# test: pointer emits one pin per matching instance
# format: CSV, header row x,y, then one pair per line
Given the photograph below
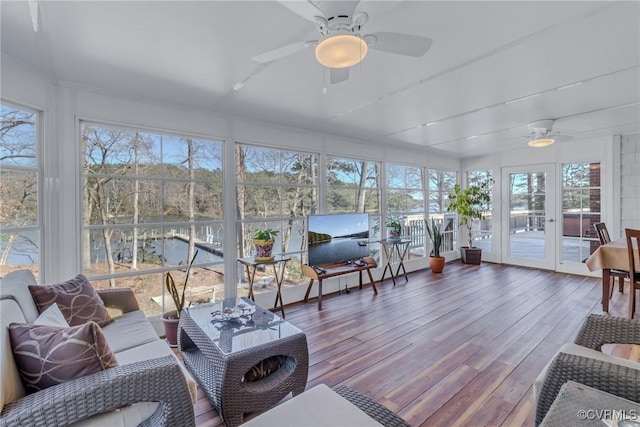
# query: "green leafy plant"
x,y
393,224
172,288
435,234
470,204
266,234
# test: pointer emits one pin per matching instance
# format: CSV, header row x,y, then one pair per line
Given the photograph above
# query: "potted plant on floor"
x,y
171,318
263,242
436,262
470,204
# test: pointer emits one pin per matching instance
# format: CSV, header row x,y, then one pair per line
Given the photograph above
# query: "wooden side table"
x,y
334,270
251,265
392,247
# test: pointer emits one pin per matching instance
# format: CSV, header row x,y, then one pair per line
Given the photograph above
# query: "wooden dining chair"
x,y
603,236
634,276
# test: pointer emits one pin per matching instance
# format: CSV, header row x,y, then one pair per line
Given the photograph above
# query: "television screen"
x,y
337,238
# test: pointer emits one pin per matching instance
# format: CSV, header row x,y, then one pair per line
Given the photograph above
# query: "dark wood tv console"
x,y
333,270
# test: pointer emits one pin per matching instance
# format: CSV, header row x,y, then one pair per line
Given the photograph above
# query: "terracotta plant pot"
x,y
170,320
436,264
263,249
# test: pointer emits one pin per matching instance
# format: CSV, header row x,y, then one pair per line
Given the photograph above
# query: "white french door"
x,y
529,225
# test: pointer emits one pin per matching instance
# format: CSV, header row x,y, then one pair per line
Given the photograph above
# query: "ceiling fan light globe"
x,y
541,142
341,51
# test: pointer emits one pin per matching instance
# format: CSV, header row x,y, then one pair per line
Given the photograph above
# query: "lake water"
x,y
335,251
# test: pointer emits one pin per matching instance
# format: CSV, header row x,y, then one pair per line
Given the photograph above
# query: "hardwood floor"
x,y
458,348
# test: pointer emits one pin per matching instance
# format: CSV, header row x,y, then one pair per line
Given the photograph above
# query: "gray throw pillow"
x,y
50,355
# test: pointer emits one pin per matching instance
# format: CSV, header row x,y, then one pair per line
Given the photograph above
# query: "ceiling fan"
x,y
541,134
341,45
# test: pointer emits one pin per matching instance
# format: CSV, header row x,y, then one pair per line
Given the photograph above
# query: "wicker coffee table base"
x,y
370,407
220,374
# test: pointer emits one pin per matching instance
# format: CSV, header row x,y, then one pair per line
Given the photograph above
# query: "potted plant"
x,y
436,262
263,242
470,204
393,230
171,318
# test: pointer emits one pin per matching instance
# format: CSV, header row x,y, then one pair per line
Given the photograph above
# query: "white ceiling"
x,y
484,56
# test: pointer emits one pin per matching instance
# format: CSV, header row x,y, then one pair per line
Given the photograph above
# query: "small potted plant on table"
x,y
263,242
470,204
393,230
436,262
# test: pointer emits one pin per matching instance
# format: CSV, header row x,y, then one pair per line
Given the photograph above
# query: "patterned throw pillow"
x,y
265,368
50,355
76,298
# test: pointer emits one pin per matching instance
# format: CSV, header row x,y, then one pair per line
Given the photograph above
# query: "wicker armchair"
x,y
620,379
155,380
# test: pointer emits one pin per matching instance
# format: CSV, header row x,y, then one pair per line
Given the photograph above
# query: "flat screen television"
x,y
337,238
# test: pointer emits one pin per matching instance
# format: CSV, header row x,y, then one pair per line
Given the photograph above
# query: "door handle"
x,y
551,220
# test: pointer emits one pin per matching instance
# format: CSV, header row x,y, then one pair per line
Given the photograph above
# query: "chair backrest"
x,y
633,267
603,234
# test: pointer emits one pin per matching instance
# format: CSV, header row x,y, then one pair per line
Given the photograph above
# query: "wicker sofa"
x,y
584,362
149,387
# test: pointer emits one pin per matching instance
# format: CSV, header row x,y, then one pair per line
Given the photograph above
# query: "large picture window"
x,y
276,189
406,204
580,210
482,229
441,183
19,190
353,186
150,202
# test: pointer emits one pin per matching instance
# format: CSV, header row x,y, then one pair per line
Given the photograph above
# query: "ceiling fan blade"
x,y
402,44
280,52
561,138
338,75
377,8
303,8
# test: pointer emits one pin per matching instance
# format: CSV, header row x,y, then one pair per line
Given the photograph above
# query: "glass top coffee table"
x,y
223,341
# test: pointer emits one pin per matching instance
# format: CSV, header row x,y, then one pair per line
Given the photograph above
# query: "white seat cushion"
x,y
319,406
128,331
158,348
11,388
129,416
17,284
578,350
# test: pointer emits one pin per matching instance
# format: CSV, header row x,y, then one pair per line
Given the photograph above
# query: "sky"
x,y
339,224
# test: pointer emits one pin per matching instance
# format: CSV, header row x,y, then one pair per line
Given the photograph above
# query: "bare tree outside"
x,y
19,222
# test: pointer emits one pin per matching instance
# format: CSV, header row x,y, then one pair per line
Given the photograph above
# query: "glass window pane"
x,y
18,140
20,249
581,204
482,233
19,190
18,198
260,165
299,168
341,200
